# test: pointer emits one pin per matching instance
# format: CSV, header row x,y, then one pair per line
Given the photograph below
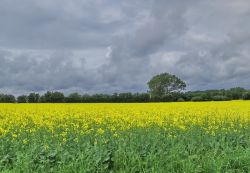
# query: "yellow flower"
x,y
60,120
100,131
14,135
25,141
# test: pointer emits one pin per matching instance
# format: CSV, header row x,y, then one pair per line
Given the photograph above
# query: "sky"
x,y
107,46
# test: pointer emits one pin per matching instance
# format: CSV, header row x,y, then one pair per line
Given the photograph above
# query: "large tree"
x,y
165,83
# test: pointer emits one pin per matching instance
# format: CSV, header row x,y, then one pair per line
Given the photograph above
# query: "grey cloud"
x,y
34,24
217,55
125,43
221,65
55,71
129,61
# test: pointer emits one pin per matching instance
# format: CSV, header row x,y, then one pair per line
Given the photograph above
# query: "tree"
x,y
197,99
7,98
22,99
42,99
165,83
74,98
46,98
236,93
100,98
10,99
85,98
57,97
141,97
33,98
125,97
246,96
220,98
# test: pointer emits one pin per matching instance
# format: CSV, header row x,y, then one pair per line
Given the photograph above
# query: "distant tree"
x,y
161,90
125,97
235,93
42,99
57,97
85,98
4,98
246,95
180,99
22,99
10,99
46,98
114,97
165,83
141,97
33,98
197,99
74,98
220,98
100,98
169,97
157,98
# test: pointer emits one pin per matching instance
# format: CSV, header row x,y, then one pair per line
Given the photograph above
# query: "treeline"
x,y
58,97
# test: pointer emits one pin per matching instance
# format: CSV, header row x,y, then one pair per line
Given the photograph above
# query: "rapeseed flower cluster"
x,y
63,119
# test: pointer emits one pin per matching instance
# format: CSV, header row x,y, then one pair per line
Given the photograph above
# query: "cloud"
x,y
34,24
37,72
117,46
129,65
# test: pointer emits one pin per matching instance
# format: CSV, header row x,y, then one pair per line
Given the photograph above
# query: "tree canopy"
x,y
165,83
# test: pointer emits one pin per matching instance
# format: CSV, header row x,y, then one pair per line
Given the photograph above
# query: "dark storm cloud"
x,y
225,65
56,24
129,60
214,51
219,58
115,46
56,70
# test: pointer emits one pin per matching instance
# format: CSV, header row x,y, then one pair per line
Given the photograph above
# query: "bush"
x,y
180,100
22,99
4,98
246,96
167,98
220,98
197,99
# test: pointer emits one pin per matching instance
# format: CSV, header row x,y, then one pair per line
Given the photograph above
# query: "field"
x,y
149,137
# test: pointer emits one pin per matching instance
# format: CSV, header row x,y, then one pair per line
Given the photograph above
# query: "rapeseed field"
x,y
125,137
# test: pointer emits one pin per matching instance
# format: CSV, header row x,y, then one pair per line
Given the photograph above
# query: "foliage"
x,y
22,99
165,83
164,87
180,99
74,98
236,93
246,95
5,98
197,99
33,98
213,95
220,98
57,97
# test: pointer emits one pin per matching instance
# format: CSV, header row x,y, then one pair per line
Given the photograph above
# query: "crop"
x,y
141,137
